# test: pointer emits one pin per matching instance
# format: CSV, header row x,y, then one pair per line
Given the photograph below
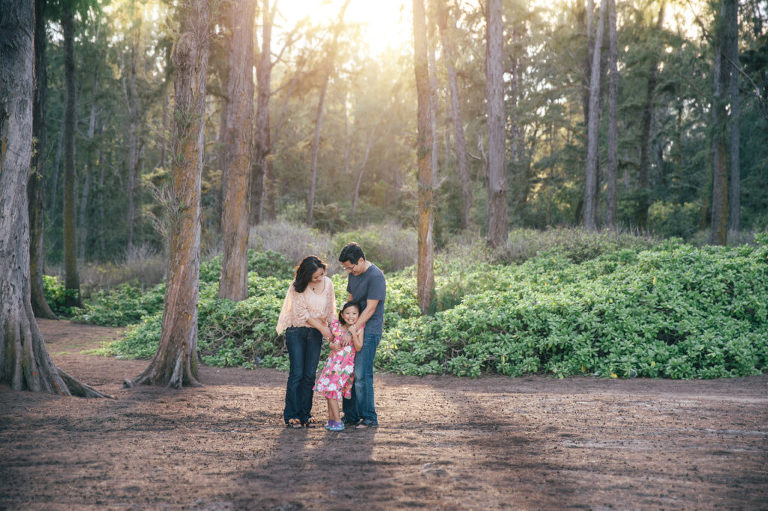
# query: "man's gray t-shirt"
x,y
370,285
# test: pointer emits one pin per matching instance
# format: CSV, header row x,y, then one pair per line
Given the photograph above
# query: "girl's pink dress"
x,y
335,379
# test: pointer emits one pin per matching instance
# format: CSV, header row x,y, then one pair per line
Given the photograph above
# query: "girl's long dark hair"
x,y
304,271
347,306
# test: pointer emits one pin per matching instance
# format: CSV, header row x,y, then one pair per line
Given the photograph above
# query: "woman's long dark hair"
x,y
347,306
304,271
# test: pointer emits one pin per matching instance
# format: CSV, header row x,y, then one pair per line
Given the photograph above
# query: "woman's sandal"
x,y
293,423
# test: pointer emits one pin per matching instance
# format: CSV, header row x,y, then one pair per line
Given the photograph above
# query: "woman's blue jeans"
x,y
361,406
303,345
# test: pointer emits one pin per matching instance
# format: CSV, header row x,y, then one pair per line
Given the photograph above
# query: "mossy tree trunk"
x,y
175,363
71,279
24,360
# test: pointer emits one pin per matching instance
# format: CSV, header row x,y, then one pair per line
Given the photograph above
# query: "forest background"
x,y
674,147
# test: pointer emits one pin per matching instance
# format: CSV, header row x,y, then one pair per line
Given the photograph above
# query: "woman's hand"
x,y
335,346
327,334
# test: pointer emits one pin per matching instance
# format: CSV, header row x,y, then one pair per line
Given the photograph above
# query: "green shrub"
x,y
56,295
671,311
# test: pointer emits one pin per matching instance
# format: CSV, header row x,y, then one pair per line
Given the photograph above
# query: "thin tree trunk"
x,y
36,179
262,181
644,183
368,147
71,279
175,363
233,283
734,187
100,206
329,62
593,128
83,218
315,151
719,231
24,360
425,264
53,205
497,172
612,167
131,101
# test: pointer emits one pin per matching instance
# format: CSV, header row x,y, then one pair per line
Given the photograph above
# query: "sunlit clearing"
x,y
384,25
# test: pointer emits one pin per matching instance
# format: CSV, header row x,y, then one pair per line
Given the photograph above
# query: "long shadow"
x,y
311,468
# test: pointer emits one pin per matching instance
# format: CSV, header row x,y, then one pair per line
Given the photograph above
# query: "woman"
x,y
308,309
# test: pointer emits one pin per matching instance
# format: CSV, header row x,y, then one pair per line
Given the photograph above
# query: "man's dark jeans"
x,y
303,345
361,406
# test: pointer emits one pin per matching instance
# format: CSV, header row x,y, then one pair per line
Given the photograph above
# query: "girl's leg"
x,y
333,410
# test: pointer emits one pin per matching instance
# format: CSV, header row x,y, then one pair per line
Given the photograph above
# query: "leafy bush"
x,y
56,295
671,310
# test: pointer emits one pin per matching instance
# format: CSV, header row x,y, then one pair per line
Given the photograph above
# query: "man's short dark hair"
x,y
351,253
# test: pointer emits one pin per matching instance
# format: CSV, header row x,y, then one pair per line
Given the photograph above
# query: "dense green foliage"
x,y
670,310
369,121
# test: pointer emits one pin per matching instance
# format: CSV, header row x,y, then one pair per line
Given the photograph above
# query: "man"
x,y
366,286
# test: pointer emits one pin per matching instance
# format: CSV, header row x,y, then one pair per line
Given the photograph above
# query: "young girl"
x,y
335,380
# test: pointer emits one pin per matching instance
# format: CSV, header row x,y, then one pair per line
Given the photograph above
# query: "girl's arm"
x,y
357,337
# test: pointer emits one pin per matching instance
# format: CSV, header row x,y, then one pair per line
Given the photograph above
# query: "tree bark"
x,y
175,363
24,360
719,231
131,103
233,283
71,279
734,187
593,128
36,179
425,264
329,62
644,200
262,181
612,167
497,173
460,142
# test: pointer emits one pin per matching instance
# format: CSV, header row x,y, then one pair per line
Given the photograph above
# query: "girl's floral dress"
x,y
335,379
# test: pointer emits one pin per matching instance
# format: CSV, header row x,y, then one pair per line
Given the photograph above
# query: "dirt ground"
x,y
444,443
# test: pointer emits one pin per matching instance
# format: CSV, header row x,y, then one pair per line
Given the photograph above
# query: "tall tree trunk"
x,y
329,62
233,283
71,279
175,363
734,187
262,181
36,178
83,217
131,102
89,166
612,167
425,264
644,200
719,231
497,172
460,142
24,360
593,128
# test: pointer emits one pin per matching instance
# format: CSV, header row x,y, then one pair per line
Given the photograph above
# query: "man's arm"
x,y
370,308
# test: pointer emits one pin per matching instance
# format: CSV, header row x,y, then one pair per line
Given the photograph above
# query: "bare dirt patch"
x,y
444,443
